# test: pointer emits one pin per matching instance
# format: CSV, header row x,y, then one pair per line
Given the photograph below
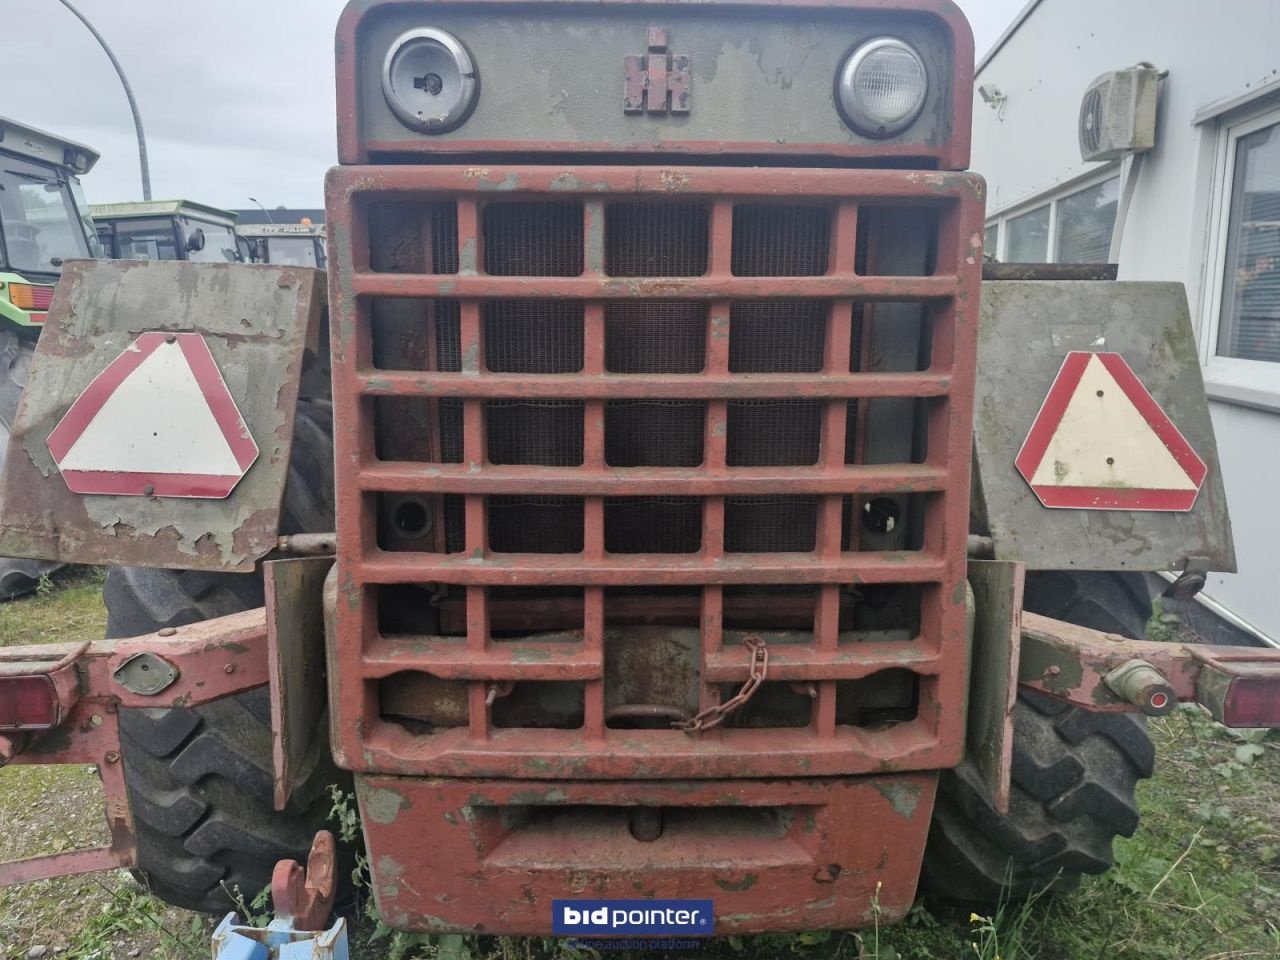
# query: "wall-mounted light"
x,y
994,98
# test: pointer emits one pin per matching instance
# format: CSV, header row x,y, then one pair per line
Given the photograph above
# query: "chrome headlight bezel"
x,y
855,110
460,89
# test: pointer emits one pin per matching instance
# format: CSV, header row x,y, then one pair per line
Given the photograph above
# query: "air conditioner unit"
x,y
1118,113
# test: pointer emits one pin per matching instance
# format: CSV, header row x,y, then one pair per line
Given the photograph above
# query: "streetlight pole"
x,y
128,92
270,219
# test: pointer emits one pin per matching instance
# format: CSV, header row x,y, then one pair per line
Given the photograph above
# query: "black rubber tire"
x,y
200,780
1074,776
1112,602
18,576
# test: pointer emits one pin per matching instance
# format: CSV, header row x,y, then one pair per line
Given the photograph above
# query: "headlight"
x,y
77,161
429,80
882,87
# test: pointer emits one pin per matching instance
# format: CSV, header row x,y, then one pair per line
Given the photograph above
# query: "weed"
x,y
256,912
1200,880
873,951
130,911
392,944
1003,934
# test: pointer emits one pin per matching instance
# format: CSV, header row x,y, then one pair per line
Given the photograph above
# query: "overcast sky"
x,y
236,95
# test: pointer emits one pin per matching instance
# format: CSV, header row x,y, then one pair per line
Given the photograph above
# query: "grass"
x,y
1199,881
49,809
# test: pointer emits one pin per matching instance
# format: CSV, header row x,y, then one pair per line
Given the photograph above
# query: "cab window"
x,y
219,241
146,239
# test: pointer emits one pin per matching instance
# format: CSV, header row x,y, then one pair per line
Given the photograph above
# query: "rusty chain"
x,y
714,716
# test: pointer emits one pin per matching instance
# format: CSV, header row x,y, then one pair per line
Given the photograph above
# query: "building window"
x,y
1029,237
1073,227
1249,322
991,240
1086,220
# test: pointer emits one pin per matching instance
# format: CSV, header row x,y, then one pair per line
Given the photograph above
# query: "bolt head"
x,y
229,668
167,631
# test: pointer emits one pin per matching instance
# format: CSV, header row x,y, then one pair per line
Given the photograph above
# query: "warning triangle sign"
x,y
157,421
1102,442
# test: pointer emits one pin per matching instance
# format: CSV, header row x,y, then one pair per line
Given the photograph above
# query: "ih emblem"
x,y
657,81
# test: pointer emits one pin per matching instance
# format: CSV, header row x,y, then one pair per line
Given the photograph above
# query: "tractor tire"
x,y
18,577
1074,776
200,780
1108,601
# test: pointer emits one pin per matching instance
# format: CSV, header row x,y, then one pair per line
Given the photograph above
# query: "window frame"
x,y
1000,219
1051,225
1251,381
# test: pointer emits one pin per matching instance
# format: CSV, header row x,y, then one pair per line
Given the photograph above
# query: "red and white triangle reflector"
x,y
157,421
1102,442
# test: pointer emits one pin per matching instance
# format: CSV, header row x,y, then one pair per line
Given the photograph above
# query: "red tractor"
x,y
645,509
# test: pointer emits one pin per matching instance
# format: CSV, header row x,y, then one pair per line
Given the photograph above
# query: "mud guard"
x,y
993,674
254,322
1028,329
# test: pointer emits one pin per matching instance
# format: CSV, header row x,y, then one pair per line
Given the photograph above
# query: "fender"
x,y
254,325
1028,329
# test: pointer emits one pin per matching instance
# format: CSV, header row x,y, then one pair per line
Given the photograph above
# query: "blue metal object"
x,y
278,941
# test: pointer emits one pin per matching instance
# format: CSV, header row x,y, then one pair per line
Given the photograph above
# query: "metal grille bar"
x,y
543,338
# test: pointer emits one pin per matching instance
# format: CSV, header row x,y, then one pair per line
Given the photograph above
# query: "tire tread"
x,y
1073,791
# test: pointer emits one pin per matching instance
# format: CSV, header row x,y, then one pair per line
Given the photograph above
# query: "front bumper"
x,y
491,856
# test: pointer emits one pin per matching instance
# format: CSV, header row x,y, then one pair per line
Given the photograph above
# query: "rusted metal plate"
x,y
993,678
562,102
1028,329
490,856
208,660
255,320
295,657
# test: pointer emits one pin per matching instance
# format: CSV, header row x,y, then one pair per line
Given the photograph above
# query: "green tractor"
x,y
168,230
44,221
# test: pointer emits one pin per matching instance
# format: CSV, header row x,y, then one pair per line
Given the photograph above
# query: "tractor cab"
x,y
167,230
44,220
296,244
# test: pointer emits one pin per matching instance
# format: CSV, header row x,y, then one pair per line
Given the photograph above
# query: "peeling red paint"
x,y
489,856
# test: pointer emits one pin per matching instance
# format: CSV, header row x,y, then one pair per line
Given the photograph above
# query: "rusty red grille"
x,y
650,405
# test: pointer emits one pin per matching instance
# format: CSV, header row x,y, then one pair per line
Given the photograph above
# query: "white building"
x,y
1205,210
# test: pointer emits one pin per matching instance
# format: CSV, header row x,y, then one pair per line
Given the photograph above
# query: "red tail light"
x,y
31,296
29,703
1242,694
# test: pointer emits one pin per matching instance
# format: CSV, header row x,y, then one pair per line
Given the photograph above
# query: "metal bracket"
x,y
201,662
993,676
303,900
304,897
295,656
1195,571
145,674
1108,672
